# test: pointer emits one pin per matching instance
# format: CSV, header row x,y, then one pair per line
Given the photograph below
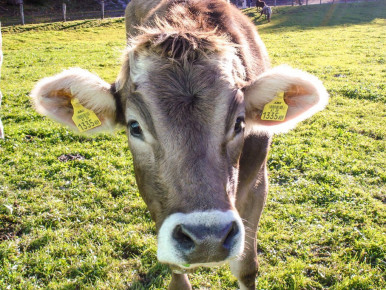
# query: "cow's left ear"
x,y
304,94
78,99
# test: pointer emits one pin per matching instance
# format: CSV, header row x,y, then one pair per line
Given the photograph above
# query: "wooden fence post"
x,y
22,13
64,12
1,61
103,9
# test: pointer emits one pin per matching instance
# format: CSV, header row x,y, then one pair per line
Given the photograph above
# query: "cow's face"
x,y
185,123
185,126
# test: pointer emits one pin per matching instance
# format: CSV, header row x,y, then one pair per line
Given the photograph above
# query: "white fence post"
x,y
103,9
1,61
64,12
22,13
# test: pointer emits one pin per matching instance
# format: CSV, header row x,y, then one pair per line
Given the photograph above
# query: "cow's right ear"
x,y
57,96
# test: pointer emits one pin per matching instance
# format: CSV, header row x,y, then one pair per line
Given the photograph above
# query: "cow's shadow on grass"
x,y
256,18
155,277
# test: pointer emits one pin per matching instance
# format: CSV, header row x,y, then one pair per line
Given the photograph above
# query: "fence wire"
x,y
46,18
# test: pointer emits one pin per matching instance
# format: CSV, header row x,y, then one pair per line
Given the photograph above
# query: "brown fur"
x,y
205,17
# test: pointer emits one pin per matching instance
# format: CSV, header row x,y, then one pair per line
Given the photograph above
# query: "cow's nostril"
x,y
230,235
183,238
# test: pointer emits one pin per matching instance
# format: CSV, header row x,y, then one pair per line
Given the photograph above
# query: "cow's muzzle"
x,y
200,238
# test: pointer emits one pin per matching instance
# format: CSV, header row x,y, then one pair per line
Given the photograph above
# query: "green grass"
x,y
81,224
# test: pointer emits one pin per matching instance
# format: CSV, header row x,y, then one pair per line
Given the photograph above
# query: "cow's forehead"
x,y
193,99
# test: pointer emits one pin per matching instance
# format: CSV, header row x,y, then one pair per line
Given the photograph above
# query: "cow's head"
x,y
186,110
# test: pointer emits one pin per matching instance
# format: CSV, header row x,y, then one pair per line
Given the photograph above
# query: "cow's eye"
x,y
135,129
239,125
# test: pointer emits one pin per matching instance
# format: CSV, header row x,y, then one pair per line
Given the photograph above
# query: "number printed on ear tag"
x,y
275,110
83,118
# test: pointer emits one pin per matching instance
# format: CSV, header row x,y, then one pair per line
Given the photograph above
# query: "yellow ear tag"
x,y
275,110
83,118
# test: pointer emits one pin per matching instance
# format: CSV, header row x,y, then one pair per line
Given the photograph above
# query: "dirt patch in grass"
x,y
69,157
9,227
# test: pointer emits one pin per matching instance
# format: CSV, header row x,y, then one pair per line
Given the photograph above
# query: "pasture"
x,y
70,213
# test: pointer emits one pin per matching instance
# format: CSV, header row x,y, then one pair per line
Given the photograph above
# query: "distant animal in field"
x,y
267,11
260,4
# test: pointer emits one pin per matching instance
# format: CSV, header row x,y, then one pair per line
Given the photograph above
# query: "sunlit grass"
x,y
81,223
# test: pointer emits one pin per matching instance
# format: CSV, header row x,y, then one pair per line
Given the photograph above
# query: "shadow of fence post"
x,y
1,61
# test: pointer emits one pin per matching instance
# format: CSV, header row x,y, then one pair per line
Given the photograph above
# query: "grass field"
x,y
80,224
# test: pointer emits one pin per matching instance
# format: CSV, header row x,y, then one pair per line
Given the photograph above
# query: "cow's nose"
x,y
189,236
199,238
201,243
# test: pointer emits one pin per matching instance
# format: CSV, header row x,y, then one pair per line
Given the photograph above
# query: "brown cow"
x,y
260,4
191,92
